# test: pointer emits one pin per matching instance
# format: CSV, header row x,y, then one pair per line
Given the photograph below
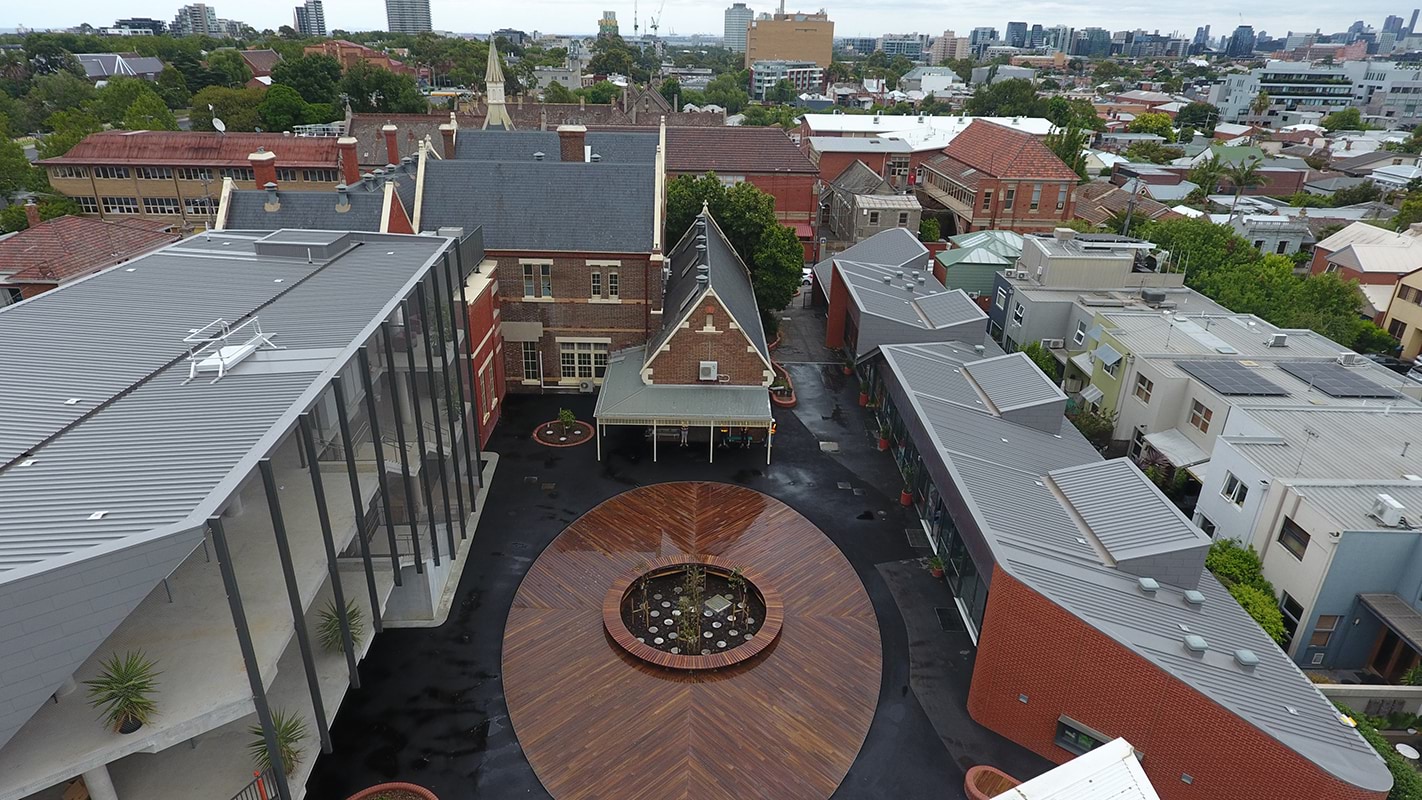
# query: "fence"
x,y
262,787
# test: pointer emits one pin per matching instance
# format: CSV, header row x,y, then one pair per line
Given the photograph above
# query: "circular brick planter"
x,y
984,783
581,433
397,791
612,606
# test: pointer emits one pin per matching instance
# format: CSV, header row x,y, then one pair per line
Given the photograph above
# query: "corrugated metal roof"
x,y
1099,491
897,247
626,400
908,297
1342,443
1013,381
198,148
1108,772
1349,502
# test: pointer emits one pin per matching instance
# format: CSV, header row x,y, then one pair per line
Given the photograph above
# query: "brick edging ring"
x,y
375,791
768,633
592,431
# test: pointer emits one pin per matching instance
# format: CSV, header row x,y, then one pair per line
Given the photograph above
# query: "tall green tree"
x,y
1242,176
1154,122
173,88
281,108
1198,115
1347,119
1010,98
228,67
16,172
68,128
728,91
558,93
670,90
371,89
149,113
58,91
1207,174
770,250
316,77
112,102
237,108
1069,145
782,92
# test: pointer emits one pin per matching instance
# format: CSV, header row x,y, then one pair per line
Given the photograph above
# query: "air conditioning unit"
x,y
1054,344
1279,340
1021,274
586,387
709,370
1387,511
1349,359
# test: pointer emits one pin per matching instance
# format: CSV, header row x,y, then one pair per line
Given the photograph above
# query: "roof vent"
x,y
702,280
1196,643
594,158
407,161
901,274
909,286
1148,585
1194,597
1246,659
343,199
538,156
920,280
887,279
703,269
367,179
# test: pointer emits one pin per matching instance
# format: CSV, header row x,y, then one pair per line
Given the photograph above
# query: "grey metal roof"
x,y
1341,442
858,178
1002,471
896,247
1100,491
544,205
613,147
1012,382
625,399
155,455
1349,502
908,297
247,210
727,277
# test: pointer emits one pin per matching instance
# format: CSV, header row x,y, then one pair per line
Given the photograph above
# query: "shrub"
x,y
1262,606
1233,564
1406,782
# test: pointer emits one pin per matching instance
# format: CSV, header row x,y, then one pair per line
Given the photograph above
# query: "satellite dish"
x,y
219,125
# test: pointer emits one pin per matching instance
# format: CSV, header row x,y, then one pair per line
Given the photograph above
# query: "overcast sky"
x,y
864,18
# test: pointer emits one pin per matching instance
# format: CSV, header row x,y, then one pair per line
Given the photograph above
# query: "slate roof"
x,y
600,208
306,210
197,148
728,278
65,248
411,129
613,147
1005,152
1002,471
736,150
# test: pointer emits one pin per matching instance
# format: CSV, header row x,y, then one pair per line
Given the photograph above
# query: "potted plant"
x,y
864,387
290,730
328,630
884,434
848,363
123,691
935,567
906,496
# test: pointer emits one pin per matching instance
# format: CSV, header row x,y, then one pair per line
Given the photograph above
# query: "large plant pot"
x,y
848,371
863,399
905,498
410,788
129,726
883,443
984,783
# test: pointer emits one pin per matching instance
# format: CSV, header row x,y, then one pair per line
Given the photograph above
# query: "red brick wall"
x,y
485,339
1032,646
832,164
794,195
1020,218
838,307
728,346
36,289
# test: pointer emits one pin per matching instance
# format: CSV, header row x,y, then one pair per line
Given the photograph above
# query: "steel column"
x,y
373,412
434,392
419,429
464,368
293,595
458,420
304,429
477,470
249,656
404,448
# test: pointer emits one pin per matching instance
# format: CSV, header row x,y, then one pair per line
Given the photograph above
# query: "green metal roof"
x,y
626,400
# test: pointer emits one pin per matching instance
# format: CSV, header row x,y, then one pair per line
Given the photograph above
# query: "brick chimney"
x,y
571,141
350,163
446,134
32,213
392,145
263,166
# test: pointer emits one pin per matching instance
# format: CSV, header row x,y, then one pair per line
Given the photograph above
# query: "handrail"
x,y
262,787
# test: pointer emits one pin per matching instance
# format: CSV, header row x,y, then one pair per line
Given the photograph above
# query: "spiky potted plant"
x,y
290,730
935,567
906,496
328,629
884,434
124,690
864,388
848,363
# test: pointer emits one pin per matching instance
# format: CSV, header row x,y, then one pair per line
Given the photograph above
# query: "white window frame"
x,y
607,287
1080,335
1019,312
873,218
597,350
530,351
1144,386
1234,490
538,276
1001,301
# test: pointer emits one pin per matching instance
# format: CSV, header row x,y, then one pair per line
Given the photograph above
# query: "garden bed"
x,y
394,791
553,434
783,397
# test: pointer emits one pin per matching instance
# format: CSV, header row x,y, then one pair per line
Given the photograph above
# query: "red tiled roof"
x,y
261,62
1098,202
197,148
1003,152
735,150
65,248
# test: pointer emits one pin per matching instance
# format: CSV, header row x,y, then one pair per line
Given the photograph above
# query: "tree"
x,y
61,91
1198,115
929,230
670,90
13,217
1043,358
1241,571
1154,122
1406,781
68,129
1096,426
1207,173
149,113
727,91
372,89
228,67
558,93
1010,98
281,108
316,77
237,108
1347,119
1365,192
602,92
1260,104
111,103
173,88
782,92
1242,175
1153,152
771,251
1069,145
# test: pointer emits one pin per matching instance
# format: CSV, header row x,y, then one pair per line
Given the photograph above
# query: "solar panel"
x,y
1231,378
1335,380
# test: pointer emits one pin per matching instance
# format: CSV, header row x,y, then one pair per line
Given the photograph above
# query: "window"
x,y
1396,329
1008,197
1080,335
120,205
530,361
68,172
1017,313
1293,538
1234,490
1206,524
88,205
1258,244
873,218
614,288
1144,386
286,174
528,285
898,167
155,173
1200,416
1077,738
194,174
239,173
987,200
1036,197
320,175
597,284
537,280
582,360
1282,246
1332,267
1001,297
112,173
161,205
1113,368
1323,630
1293,612
903,219
1138,445
1061,197
199,205
545,279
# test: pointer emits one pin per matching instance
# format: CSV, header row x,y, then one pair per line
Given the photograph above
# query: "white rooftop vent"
x,y
1194,597
1349,359
1246,659
708,371
1148,585
1387,511
1196,643
1279,340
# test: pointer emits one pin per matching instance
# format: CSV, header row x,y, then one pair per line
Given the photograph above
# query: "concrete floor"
x,y
431,709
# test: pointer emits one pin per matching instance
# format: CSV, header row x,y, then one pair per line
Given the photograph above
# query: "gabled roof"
x,y
858,178
108,65
739,150
611,147
897,246
261,62
197,148
726,275
626,399
319,210
1368,248
914,298
1005,152
1097,202
65,248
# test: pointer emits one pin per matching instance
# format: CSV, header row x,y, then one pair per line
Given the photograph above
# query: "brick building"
x,y
177,176
350,54
997,177
1374,257
791,37
63,249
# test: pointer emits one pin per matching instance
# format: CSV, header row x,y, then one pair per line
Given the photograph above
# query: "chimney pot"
x,y
263,166
572,143
273,202
446,133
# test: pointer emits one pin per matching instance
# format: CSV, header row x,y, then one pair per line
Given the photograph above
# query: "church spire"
x,y
497,115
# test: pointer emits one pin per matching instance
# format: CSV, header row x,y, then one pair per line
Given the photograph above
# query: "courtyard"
x,y
434,705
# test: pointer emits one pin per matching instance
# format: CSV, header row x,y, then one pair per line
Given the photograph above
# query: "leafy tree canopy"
x,y
149,113
316,77
1153,122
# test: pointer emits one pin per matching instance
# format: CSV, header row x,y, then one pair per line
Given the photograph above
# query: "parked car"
x,y
1395,364
805,276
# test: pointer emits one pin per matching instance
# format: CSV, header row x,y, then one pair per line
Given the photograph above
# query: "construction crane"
x,y
634,19
657,20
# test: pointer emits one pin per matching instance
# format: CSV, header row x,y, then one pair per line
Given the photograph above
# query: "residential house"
x,y
1327,187
1374,257
1404,315
972,260
1274,234
1363,164
1395,177
64,249
177,175
102,66
996,177
1100,203
860,203
930,80
221,476
349,54
260,62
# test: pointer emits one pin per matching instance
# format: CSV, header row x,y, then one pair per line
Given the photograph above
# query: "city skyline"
x,y
686,17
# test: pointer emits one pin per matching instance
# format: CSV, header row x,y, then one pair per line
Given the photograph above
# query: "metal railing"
x,y
262,787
